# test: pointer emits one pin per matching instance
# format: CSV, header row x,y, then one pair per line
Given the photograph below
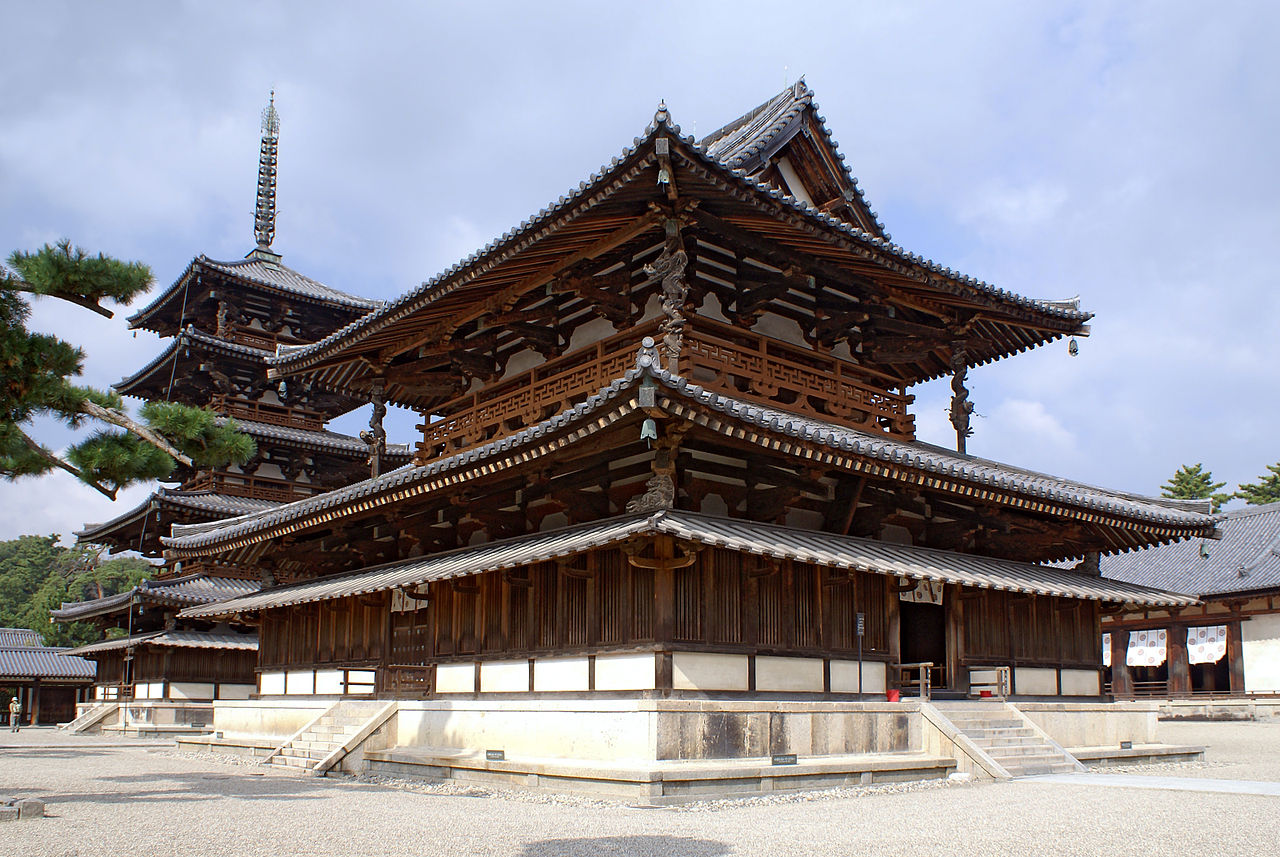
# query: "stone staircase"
x,y
92,716
322,743
1008,738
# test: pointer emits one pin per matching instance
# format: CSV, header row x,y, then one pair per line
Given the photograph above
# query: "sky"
x,y
1121,152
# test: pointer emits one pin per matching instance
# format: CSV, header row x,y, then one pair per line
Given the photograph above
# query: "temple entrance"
x,y
924,638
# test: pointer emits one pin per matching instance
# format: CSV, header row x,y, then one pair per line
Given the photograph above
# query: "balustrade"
x,y
261,412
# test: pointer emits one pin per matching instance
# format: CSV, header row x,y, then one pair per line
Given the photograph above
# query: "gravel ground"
x,y
144,798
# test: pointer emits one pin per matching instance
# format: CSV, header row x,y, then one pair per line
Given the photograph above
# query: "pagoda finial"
x,y
264,216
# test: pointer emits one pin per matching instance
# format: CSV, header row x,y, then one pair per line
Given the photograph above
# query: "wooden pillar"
x,y
1179,668
957,675
664,592
1121,678
1235,656
893,625
35,702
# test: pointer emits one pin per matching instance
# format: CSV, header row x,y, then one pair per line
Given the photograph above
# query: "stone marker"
x,y
8,813
30,808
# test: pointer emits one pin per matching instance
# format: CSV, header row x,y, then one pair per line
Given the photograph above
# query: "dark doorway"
x,y
924,633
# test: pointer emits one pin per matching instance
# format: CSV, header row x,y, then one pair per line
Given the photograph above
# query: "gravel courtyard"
x,y
142,798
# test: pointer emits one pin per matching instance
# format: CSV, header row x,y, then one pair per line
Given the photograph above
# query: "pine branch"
x,y
117,418
58,462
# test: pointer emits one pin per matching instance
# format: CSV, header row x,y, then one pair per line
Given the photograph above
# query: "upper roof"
x,y
175,639
160,367
15,637
199,588
321,441
202,504
770,540
748,142
262,270
1245,558
39,662
574,227
919,462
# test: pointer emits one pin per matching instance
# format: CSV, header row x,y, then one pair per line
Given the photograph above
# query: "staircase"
x,y
92,716
322,743
1008,738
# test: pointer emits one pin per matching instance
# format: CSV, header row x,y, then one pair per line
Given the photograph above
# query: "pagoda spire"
x,y
264,216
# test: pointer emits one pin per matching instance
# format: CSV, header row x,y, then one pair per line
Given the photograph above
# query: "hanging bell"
x,y
1073,347
664,177
649,431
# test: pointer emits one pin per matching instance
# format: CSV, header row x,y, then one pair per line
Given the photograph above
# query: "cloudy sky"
x,y
1122,152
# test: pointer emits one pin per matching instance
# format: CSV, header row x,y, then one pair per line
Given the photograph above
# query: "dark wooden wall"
x,y
1010,627
179,664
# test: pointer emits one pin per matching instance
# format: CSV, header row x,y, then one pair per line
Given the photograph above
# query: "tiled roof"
x,y
205,503
1245,558
203,342
914,456
15,637
771,540
269,273
751,138
321,440
198,588
22,662
290,359
175,639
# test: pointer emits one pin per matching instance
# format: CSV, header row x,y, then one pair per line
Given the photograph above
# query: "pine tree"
x,y
35,373
1265,490
1193,482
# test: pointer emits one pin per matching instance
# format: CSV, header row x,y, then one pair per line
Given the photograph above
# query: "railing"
x,y
749,365
257,488
923,676
261,341
260,412
531,396
718,356
1000,686
408,679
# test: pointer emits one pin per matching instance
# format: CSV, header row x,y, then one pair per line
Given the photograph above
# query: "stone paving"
x,y
118,797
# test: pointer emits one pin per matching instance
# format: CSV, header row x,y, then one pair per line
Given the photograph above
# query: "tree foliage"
x,y
35,373
37,575
1265,490
1193,482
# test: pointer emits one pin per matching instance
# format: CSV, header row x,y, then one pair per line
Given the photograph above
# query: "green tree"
x,y
1193,482
35,373
1265,490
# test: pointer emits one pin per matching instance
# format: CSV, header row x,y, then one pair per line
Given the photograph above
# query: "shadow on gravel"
x,y
183,788
630,846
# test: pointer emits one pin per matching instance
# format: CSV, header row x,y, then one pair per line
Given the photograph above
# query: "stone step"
x,y
1001,740
1025,759
317,745
1022,751
292,762
985,722
1032,770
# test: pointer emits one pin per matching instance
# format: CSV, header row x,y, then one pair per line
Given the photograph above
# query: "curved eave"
x,y
161,368
812,440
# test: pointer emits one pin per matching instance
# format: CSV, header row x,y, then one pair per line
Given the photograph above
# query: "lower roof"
x,y
199,588
769,540
40,662
174,639
206,504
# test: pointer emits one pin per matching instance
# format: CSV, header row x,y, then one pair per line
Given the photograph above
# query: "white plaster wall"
x,y
271,684
778,327
504,676
299,682
1261,638
1081,683
561,674
794,674
327,681
361,681
707,671
235,691
456,678
1035,681
265,719
522,361
844,677
191,690
625,672
591,332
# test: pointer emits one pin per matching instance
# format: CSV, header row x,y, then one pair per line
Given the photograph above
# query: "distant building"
x,y
46,681
1229,644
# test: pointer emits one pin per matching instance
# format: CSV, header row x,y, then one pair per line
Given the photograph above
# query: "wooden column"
x,y
1179,668
664,592
957,675
35,702
1121,679
1235,656
893,625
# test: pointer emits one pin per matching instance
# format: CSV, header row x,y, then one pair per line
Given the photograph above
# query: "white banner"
x,y
1147,648
926,592
1106,650
1206,645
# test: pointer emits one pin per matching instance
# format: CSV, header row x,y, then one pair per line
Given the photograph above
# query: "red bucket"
x,y
892,695
985,694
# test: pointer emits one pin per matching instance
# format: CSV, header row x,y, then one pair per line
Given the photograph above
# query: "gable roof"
x,y
748,142
1245,558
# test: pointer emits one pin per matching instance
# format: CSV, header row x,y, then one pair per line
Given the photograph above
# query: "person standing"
x,y
15,714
